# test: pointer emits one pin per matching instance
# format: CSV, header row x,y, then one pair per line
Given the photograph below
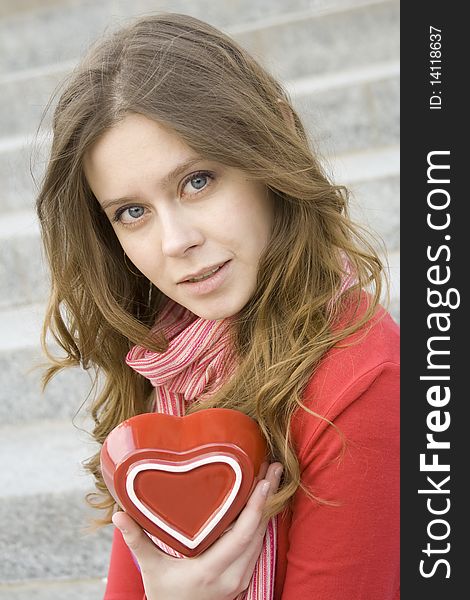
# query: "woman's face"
x,y
195,228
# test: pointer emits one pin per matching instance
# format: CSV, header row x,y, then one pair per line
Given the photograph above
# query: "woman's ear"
x,y
287,114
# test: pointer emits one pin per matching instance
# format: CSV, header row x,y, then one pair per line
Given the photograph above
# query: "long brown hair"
x,y
191,77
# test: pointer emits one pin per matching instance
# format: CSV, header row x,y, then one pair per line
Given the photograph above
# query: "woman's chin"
x,y
213,311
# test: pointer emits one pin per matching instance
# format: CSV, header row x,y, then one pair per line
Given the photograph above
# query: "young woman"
x,y
201,258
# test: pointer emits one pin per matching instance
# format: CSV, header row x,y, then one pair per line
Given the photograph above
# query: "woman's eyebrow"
x,y
164,182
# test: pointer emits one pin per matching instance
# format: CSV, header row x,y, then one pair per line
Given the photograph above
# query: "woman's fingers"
x,y
145,551
246,535
250,524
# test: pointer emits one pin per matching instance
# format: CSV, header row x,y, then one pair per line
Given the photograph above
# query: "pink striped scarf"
x,y
196,364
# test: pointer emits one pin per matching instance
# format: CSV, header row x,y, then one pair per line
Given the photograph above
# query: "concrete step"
x,y
21,367
306,46
336,41
45,521
44,458
24,277
368,165
376,204
45,539
353,117
86,589
22,164
325,29
15,7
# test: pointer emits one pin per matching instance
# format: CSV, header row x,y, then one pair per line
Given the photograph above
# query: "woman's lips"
x,y
211,283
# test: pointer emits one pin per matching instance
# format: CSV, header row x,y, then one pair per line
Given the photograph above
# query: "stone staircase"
x,y
339,61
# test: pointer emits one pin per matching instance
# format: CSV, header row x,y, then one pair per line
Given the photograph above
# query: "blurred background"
x,y
339,60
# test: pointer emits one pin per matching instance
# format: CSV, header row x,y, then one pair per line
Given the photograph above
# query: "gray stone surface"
x,y
21,169
238,13
55,449
22,364
23,103
21,399
358,167
44,537
44,37
341,41
55,590
15,7
377,204
385,101
352,118
50,36
23,276
46,524
335,42
21,328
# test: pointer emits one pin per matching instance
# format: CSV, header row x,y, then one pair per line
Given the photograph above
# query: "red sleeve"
x,y
350,550
124,580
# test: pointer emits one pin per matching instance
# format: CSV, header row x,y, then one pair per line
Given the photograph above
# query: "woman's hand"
x,y
221,572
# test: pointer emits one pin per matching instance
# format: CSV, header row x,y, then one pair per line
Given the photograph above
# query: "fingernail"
x,y
121,529
278,472
265,488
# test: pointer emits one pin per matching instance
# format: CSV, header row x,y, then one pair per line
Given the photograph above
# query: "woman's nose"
x,y
178,233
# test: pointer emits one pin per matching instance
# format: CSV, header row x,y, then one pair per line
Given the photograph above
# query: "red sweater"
x,y
350,550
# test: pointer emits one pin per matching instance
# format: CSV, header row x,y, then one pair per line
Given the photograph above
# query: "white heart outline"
x,y
182,468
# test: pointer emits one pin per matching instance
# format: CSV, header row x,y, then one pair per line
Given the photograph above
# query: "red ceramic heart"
x,y
184,479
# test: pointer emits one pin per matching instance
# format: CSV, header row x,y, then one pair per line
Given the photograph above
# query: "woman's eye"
x,y
129,215
197,182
